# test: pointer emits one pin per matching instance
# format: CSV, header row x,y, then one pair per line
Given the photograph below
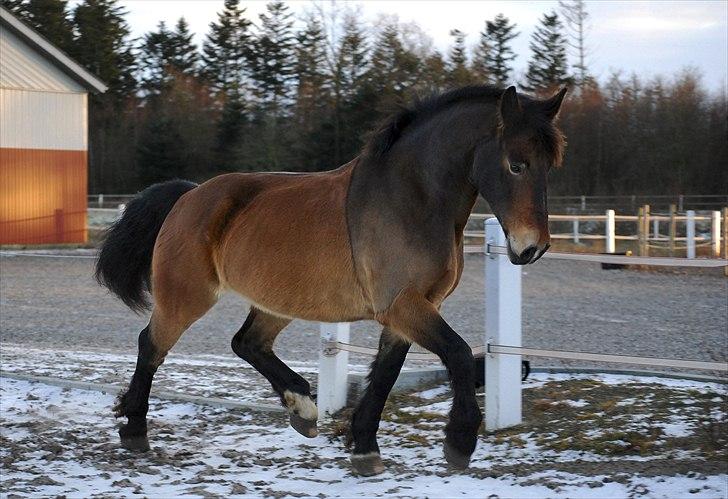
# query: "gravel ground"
x,y
51,303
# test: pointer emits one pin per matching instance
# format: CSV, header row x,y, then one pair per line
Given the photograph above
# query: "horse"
x,y
380,238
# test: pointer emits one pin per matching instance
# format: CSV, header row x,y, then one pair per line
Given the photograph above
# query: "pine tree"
x,y
184,56
155,53
49,17
497,36
273,74
165,55
547,68
481,58
226,51
103,47
274,61
393,70
576,16
458,73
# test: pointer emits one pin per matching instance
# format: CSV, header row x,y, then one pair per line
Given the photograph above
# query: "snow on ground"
x,y
576,441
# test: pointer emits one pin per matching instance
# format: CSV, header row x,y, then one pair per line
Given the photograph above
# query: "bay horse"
x,y
380,238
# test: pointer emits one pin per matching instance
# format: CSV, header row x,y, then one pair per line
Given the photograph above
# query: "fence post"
x,y
641,231
583,203
725,239
611,246
690,233
502,327
680,203
101,200
58,225
673,229
646,230
333,369
655,228
575,225
715,234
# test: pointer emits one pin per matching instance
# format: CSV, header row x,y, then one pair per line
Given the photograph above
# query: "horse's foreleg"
x,y
366,458
254,343
418,320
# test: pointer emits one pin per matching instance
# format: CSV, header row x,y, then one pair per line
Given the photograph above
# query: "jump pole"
x,y
502,327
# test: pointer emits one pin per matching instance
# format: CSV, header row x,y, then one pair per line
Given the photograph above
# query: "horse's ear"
x,y
510,108
551,106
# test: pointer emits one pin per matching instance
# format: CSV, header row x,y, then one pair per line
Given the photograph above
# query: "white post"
x,y
715,234
610,244
121,209
101,200
583,203
575,227
690,233
333,369
502,327
655,228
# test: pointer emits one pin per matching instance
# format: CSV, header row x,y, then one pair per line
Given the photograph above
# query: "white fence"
x,y
502,335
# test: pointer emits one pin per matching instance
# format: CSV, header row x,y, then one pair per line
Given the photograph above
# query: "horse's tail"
x,y
125,258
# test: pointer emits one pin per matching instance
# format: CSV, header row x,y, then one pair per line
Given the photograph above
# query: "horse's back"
x,y
280,240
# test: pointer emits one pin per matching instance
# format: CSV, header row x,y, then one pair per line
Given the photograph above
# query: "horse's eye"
x,y
517,168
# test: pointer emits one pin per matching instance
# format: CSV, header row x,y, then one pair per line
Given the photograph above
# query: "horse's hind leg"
x,y
177,307
254,343
365,421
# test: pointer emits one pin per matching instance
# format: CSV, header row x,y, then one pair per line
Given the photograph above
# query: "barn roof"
x,y
51,52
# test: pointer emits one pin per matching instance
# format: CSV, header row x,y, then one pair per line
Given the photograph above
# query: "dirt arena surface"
x,y
595,436
53,303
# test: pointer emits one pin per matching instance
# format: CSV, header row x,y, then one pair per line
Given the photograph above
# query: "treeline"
x,y
300,93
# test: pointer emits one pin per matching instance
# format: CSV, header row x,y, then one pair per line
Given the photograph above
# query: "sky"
x,y
645,37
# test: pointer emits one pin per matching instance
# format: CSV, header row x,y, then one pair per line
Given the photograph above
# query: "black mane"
x,y
383,137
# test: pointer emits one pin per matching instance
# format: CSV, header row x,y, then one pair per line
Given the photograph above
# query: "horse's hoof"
x,y
367,464
306,427
137,443
455,458
134,437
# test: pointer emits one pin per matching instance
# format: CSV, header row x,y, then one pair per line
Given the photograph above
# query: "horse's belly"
x,y
288,252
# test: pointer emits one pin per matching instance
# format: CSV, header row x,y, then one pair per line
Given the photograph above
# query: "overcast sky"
x,y
646,37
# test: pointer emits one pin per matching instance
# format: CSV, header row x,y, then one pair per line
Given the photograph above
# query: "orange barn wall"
x,y
42,196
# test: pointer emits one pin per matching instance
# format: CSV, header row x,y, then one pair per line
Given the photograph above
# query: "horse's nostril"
x,y
528,254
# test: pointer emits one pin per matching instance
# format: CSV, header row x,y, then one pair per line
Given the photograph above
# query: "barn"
x,y
43,138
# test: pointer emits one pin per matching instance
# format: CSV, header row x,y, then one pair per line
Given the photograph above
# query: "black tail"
x,y
125,258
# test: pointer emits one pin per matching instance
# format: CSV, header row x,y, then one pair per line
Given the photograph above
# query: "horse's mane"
x,y
381,140
386,134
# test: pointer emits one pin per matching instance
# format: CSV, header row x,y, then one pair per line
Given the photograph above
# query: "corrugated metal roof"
x,y
50,52
22,67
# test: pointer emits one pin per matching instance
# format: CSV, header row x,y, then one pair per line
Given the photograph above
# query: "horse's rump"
x,y
281,241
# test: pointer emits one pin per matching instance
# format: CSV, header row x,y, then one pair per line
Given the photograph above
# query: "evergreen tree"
x,y
393,70
547,68
274,60
155,53
576,15
226,51
102,46
273,73
184,56
481,58
312,95
497,36
50,18
458,73
165,55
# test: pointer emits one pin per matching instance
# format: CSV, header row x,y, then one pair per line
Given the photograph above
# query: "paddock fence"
x,y
502,345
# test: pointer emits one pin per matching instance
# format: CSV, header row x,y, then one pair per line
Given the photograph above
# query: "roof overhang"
x,y
54,54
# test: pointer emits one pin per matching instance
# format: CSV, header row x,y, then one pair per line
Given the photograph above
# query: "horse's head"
x,y
511,171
